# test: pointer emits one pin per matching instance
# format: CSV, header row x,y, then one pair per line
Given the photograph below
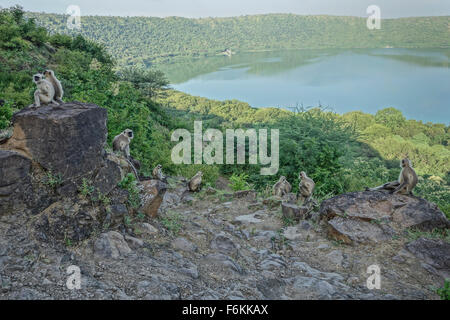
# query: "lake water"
x,y
415,81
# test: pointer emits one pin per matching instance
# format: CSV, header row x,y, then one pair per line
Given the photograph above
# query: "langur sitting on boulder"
x,y
406,182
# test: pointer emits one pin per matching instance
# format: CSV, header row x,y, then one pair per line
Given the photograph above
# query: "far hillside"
x,y
148,40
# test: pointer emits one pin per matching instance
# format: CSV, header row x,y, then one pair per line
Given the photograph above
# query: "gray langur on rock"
x,y
122,141
59,92
407,178
195,182
406,182
305,187
158,174
45,92
282,187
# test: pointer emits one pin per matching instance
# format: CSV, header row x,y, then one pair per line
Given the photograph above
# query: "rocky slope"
x,y
210,245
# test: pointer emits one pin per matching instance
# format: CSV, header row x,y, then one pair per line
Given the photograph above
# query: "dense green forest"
x,y
341,153
146,40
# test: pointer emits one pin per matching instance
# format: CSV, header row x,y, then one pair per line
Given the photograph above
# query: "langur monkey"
x,y
45,92
157,173
407,180
305,187
59,92
282,187
121,143
196,181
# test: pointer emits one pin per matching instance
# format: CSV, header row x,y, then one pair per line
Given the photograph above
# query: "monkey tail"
x,y
134,170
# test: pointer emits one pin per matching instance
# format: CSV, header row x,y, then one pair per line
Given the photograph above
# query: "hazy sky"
x,y
215,8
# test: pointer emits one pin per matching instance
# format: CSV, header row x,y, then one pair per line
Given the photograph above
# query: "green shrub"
x,y
437,191
86,188
130,184
444,292
52,180
239,182
6,113
172,222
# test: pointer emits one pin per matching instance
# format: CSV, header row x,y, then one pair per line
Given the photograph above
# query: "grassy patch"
x,y
414,234
172,222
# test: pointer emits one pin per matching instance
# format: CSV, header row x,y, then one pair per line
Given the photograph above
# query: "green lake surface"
x,y
415,81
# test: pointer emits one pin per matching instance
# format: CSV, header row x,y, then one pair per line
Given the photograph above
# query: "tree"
x,y
391,118
149,82
359,120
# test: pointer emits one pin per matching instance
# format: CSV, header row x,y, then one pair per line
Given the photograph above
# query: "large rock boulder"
x,y
376,216
68,139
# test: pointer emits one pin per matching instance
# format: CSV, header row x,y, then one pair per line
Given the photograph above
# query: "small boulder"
x,y
183,244
292,233
253,218
292,211
134,243
148,229
111,245
290,198
224,244
352,231
335,257
272,202
108,176
118,212
249,195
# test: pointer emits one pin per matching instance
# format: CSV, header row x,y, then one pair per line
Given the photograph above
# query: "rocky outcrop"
x,y
362,217
206,248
